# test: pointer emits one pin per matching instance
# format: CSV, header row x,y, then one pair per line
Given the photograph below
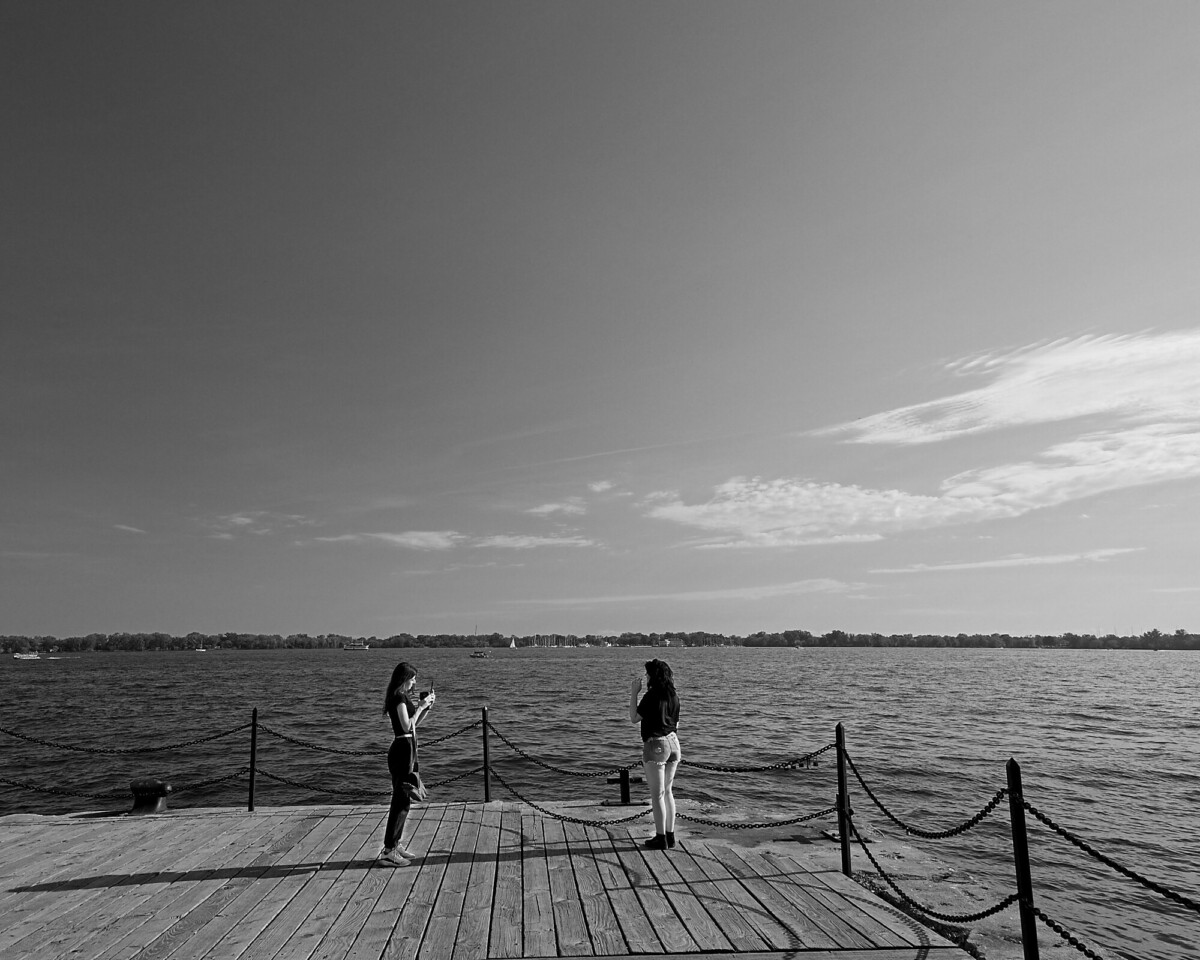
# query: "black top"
x,y
659,711
393,713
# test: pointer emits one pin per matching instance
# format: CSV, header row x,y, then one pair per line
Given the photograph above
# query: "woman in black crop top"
x,y
657,714
402,756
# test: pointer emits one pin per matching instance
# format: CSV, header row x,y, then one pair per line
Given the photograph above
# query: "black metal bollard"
x,y
149,796
253,754
843,799
1020,840
624,779
487,763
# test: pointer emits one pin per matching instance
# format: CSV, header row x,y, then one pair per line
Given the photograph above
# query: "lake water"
x,y
1108,743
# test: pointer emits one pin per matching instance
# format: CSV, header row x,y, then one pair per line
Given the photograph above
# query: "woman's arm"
x,y
423,708
635,688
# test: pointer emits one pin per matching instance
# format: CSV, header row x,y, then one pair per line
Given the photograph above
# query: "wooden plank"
x,y
570,926
699,924
405,941
726,902
75,909
636,927
250,884
64,860
603,929
357,890
172,915
332,888
271,923
780,932
472,940
507,938
905,927
397,885
122,909
538,913
444,919
670,929
836,910
810,921
887,953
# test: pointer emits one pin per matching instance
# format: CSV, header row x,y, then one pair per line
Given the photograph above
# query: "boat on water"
x,y
27,656
355,645
480,655
512,643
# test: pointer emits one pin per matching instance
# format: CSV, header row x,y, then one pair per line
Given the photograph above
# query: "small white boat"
x,y
480,655
355,645
27,656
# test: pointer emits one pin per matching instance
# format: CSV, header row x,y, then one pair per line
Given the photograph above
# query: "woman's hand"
x,y
635,684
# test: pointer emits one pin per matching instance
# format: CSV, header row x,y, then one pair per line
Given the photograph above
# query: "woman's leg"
x,y
655,784
399,763
669,769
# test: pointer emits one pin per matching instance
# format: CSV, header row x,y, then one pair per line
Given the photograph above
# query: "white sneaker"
x,y
405,852
391,858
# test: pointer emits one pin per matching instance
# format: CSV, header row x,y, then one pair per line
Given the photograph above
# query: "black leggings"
x,y
402,760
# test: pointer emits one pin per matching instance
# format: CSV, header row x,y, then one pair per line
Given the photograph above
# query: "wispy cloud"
x,y
254,522
600,486
572,506
792,512
1145,386
518,542
127,529
449,539
1140,379
1017,560
796,588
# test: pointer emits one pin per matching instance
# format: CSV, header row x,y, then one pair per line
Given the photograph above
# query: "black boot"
x,y
658,843
670,839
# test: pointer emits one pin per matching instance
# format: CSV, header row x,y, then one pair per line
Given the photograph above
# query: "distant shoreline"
x,y
192,642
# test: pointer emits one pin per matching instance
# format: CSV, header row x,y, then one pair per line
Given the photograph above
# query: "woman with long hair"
x,y
657,714
405,715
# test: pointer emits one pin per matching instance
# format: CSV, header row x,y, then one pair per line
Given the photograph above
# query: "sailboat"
x,y
512,643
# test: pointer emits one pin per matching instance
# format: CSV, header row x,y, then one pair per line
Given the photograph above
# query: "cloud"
x,y
796,588
1138,379
127,528
1017,560
257,522
449,539
420,539
1141,395
601,486
517,542
792,512
572,506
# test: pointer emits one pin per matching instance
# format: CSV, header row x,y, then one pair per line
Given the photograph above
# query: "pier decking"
x,y
493,880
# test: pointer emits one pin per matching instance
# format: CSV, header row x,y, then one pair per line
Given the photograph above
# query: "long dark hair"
x,y
404,672
659,672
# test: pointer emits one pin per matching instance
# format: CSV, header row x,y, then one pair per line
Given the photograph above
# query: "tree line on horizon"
x,y
112,642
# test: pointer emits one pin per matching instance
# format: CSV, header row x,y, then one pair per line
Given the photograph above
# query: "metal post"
x,y
843,799
1020,840
487,763
253,754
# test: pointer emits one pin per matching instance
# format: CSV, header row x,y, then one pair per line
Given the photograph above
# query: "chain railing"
x,y
1023,898
117,751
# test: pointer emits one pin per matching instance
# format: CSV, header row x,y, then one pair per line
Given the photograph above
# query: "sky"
x,y
376,318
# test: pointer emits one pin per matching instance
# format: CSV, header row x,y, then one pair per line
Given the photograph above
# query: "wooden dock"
x,y
492,880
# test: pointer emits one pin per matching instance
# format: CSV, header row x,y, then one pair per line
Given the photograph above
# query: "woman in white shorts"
x,y
657,714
